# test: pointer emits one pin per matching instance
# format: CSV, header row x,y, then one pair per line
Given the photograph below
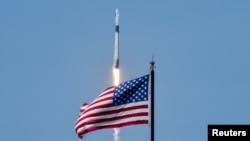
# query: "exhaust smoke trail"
x,y
116,134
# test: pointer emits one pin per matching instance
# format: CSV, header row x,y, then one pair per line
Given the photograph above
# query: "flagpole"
x,y
152,63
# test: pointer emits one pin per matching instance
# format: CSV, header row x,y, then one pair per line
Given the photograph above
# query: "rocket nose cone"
x,y
117,12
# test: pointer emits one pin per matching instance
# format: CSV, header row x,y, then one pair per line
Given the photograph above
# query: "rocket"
x,y
116,44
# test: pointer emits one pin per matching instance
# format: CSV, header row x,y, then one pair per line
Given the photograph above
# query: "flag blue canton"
x,y
135,90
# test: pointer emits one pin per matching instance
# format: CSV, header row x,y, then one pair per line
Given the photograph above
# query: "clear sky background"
x,y
57,54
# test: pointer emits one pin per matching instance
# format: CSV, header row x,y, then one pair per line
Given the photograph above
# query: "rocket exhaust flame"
x,y
116,77
116,74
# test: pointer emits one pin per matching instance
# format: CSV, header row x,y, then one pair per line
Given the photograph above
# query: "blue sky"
x,y
55,55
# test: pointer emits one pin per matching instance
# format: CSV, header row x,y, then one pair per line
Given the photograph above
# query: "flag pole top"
x,y
152,64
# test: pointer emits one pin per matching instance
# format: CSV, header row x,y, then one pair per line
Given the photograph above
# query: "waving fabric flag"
x,y
126,104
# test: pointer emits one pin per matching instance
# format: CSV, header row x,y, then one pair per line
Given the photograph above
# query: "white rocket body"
x,y
116,44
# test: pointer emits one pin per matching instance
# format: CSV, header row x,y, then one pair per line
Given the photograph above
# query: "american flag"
x,y
124,105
